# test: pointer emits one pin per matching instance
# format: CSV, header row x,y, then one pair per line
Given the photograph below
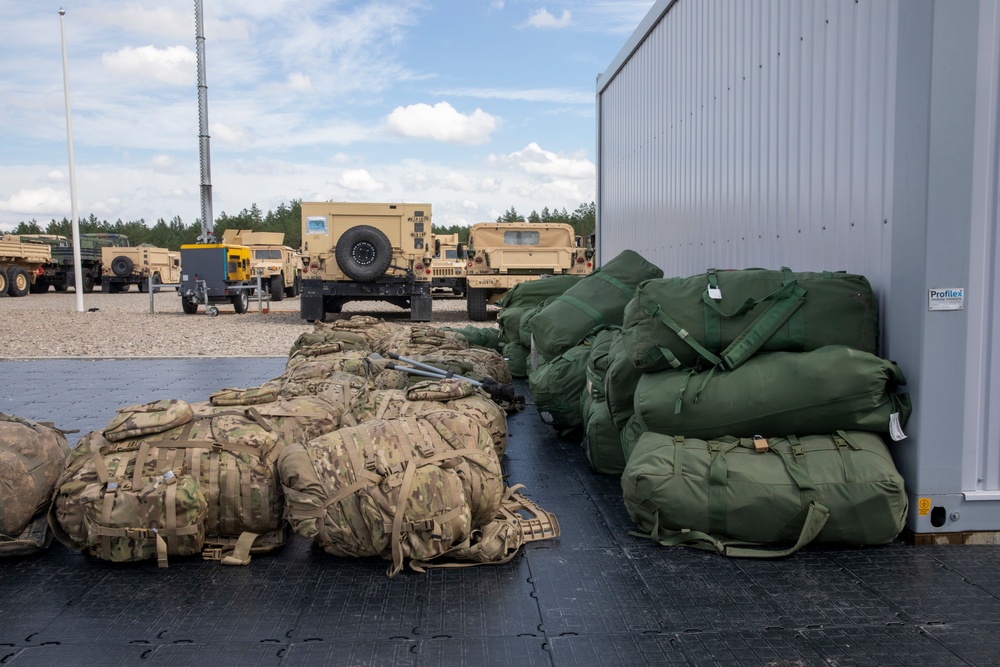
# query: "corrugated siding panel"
x,y
753,133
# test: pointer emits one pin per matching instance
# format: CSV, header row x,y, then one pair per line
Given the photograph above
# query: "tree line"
x,y
287,219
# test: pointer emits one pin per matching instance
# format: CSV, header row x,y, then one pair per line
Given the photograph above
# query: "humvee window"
x,y
521,237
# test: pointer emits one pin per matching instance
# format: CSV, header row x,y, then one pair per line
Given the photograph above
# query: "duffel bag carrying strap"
x,y
784,301
816,518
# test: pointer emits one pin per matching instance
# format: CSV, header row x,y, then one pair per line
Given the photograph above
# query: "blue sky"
x,y
472,106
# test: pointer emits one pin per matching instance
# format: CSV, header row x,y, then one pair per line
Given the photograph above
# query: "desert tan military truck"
x,y
123,267
21,263
366,251
279,266
60,273
503,254
448,272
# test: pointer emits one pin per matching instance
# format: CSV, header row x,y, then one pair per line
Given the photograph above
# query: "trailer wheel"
x,y
241,301
364,253
122,266
88,281
476,303
277,288
18,281
190,307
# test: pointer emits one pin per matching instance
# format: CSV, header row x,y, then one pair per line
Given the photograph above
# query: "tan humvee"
x,y
364,251
448,272
122,267
20,264
503,254
279,267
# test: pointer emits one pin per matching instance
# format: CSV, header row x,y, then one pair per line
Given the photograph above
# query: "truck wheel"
x,y
18,281
190,307
60,287
476,303
241,301
277,288
88,282
4,283
41,286
155,282
364,253
122,266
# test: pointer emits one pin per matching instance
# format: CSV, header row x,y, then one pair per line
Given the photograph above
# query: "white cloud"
x,y
497,4
442,122
174,65
359,180
543,19
229,134
299,82
535,160
36,201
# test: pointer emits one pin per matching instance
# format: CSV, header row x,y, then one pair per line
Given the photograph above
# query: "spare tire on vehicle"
x,y
364,253
122,266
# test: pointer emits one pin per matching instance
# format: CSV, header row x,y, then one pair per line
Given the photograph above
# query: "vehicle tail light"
x,y
580,260
590,264
314,267
479,260
419,267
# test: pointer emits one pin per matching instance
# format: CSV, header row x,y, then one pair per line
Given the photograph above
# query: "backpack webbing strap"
x,y
583,307
611,280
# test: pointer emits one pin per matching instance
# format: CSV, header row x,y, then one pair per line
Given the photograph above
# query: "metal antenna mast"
x,y
207,219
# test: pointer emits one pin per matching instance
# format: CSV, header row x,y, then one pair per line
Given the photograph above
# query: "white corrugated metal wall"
x,y
857,135
752,133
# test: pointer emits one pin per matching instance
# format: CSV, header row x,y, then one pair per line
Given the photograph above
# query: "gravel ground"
x,y
121,326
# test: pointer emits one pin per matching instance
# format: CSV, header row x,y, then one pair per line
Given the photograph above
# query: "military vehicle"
x,y
60,273
279,267
503,254
448,272
358,252
138,265
21,262
214,273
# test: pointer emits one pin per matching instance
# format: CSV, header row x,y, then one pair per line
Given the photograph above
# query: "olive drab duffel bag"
x,y
32,455
557,386
162,481
832,388
599,299
760,498
722,318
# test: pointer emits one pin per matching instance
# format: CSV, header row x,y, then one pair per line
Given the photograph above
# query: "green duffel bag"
x,y
597,363
509,321
524,329
602,443
764,498
722,318
632,430
516,356
557,386
533,292
597,300
834,387
620,380
488,337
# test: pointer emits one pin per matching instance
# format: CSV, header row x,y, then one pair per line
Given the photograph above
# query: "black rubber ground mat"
x,y
596,596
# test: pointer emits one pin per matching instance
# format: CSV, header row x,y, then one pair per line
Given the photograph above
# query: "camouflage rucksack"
x,y
421,339
431,396
480,361
32,455
371,328
414,488
324,338
160,480
354,362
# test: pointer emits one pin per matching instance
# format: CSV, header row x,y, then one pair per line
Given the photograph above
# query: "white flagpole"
x,y
77,263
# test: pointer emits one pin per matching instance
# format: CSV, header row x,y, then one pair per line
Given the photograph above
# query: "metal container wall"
x,y
832,135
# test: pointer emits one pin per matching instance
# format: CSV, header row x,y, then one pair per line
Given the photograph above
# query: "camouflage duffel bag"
x,y
355,362
32,455
431,396
413,488
296,419
372,329
481,362
162,481
323,339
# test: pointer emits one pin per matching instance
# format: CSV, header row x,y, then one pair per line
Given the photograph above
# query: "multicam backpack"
x,y
371,328
32,455
421,339
418,488
161,480
354,362
323,338
431,396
